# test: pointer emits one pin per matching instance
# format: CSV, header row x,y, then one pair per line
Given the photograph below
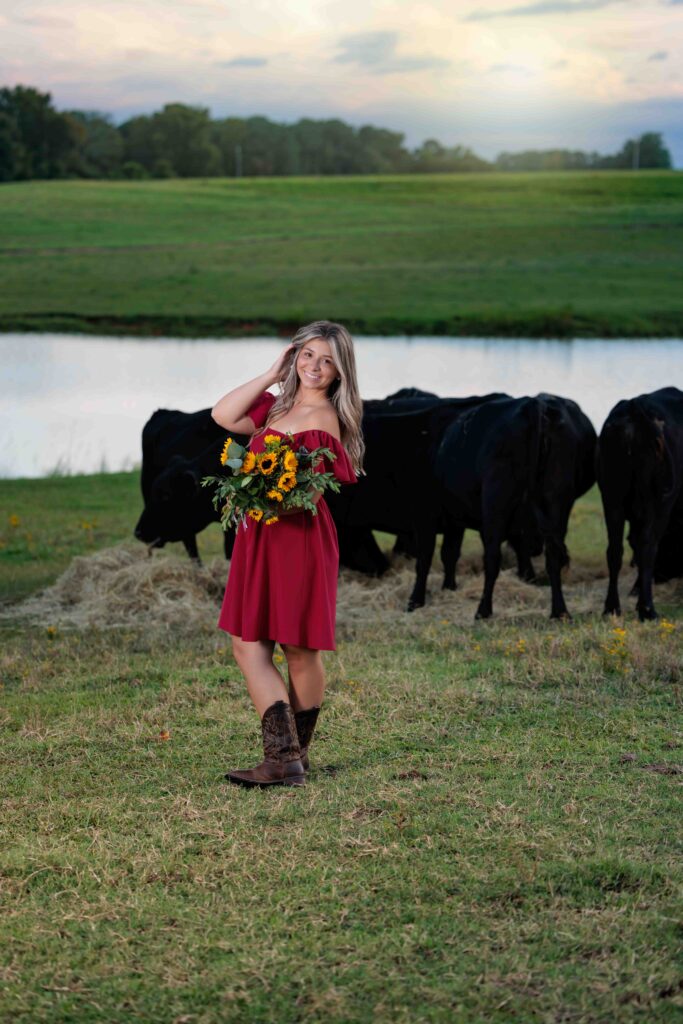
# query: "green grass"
x,y
592,254
496,837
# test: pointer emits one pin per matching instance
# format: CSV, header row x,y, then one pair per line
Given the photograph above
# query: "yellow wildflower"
x,y
287,481
256,514
290,461
267,463
14,521
224,453
249,462
275,495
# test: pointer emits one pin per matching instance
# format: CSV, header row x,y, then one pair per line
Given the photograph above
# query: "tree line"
x,y
180,141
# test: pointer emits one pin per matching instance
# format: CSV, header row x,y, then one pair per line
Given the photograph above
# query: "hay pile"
x,y
124,587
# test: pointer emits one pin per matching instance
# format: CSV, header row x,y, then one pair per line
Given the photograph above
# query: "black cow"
x,y
453,533
513,468
400,493
178,449
640,473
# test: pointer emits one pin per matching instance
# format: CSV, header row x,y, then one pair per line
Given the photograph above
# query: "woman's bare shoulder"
x,y
324,418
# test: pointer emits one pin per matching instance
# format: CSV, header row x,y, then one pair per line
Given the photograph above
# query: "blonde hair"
x,y
342,392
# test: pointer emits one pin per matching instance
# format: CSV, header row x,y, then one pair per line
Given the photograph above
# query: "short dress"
x,y
282,583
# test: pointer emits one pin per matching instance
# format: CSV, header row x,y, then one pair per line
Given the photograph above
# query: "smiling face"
x,y
315,366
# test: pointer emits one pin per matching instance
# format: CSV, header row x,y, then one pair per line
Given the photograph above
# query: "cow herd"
x,y
510,468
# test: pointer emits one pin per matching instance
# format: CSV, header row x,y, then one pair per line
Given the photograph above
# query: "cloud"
x,y
376,52
243,62
44,21
659,55
517,68
543,7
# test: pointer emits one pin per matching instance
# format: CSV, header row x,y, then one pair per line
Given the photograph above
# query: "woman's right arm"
x,y
229,411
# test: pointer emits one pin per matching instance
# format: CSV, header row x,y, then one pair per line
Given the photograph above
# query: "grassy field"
x,y
582,254
491,833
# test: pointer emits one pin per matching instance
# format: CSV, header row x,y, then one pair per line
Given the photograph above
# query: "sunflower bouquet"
x,y
281,477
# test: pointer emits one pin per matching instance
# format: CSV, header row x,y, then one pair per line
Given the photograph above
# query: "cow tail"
x,y
538,440
658,443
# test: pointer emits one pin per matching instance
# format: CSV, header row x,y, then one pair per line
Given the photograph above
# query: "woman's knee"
x,y
303,656
250,651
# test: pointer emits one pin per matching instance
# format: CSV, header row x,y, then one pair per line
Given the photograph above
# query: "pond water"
x,y
78,404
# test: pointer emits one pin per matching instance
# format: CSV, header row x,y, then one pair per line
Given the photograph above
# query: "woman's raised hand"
x,y
280,367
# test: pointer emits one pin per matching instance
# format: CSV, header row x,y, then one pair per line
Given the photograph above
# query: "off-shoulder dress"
x,y
282,583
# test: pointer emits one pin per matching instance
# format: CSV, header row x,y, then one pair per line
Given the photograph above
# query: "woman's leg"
x,y
264,682
306,676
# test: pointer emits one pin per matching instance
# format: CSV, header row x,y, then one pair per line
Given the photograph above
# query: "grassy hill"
x,y
582,254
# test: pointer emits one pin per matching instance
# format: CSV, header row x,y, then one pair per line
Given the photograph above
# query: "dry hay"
x,y
124,587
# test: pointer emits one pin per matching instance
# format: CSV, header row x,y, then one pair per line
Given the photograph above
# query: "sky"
x,y
492,75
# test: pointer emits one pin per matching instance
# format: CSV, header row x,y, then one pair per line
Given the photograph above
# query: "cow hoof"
x,y
562,616
647,615
615,612
450,586
412,605
482,613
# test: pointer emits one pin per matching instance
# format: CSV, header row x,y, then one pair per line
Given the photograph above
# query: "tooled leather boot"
x,y
305,725
281,763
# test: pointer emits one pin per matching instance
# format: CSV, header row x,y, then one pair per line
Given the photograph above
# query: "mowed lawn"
x,y
529,254
491,832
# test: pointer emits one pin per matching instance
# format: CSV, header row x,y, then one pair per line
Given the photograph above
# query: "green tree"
x,y
99,147
181,135
11,150
646,152
45,137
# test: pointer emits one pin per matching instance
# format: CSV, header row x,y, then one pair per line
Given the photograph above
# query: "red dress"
x,y
282,583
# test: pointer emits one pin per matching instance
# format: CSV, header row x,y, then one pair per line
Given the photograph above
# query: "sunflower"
x,y
272,439
271,519
290,461
249,462
267,463
275,495
287,481
224,453
255,513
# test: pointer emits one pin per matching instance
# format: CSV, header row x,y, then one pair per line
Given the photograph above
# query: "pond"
x,y
77,404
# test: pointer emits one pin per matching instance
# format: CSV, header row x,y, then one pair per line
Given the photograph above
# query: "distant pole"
x,y
636,154
238,161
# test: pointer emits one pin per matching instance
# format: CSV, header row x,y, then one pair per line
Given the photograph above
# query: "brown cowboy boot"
x,y
281,763
305,724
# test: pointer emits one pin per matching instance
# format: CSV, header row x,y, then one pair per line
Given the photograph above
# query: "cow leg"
x,y
228,543
615,553
555,558
646,553
450,553
493,539
190,542
525,567
426,542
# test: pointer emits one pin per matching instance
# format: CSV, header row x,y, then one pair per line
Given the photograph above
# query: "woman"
x,y
282,586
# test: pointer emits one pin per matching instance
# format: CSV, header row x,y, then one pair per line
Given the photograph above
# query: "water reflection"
x,y
80,402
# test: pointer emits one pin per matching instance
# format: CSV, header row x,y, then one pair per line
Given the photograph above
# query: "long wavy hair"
x,y
342,392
